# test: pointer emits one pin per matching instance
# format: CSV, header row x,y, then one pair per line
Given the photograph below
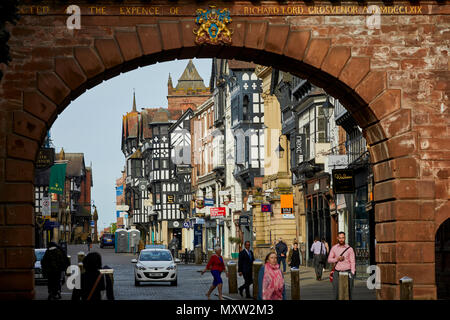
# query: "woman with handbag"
x,y
92,281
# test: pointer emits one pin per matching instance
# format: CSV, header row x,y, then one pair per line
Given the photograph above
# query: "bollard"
x,y
81,256
232,277
406,288
295,284
198,255
186,256
80,265
343,286
109,273
257,264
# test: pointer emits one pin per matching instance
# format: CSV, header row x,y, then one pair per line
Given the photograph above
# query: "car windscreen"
x,y
155,256
108,236
39,255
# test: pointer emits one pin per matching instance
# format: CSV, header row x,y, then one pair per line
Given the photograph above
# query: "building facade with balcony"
x,y
308,124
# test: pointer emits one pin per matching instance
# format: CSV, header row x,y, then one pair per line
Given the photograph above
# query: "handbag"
x,y
332,271
323,256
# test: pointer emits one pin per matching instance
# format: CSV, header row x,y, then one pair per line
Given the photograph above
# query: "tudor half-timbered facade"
x,y
247,123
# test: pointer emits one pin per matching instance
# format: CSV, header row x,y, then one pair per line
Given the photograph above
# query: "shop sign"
x,y
218,212
243,221
287,203
266,208
343,181
288,216
209,202
198,235
45,158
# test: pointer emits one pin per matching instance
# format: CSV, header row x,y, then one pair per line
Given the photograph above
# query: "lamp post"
x,y
279,150
326,113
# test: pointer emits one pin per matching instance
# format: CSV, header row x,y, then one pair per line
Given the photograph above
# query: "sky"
x,y
92,124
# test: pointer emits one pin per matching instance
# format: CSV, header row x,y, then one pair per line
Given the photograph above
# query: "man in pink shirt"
x,y
344,257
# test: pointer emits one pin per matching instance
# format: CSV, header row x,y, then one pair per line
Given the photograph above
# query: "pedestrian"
x,y
92,281
319,259
89,242
245,268
271,280
327,248
325,243
216,265
54,263
294,257
281,249
344,257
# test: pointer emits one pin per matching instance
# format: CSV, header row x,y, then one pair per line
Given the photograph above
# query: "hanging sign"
x,y
45,158
343,181
266,208
218,212
209,202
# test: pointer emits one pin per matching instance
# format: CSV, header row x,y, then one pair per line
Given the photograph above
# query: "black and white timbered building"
x,y
247,123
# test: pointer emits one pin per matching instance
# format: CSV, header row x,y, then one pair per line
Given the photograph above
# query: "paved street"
x,y
191,284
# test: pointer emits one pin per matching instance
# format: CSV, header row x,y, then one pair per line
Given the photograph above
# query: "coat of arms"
x,y
213,26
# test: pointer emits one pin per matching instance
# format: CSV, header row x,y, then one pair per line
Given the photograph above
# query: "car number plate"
x,y
156,274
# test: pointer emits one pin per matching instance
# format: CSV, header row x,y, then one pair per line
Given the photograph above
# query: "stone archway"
x,y
394,81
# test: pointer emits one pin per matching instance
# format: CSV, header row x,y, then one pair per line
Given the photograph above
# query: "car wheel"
x,y
174,283
136,283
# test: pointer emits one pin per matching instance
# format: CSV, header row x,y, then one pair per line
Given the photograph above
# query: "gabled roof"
x,y
75,166
190,79
187,113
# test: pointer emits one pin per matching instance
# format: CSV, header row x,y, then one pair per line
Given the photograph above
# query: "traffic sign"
x,y
46,208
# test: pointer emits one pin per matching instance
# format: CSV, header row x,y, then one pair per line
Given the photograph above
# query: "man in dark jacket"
x,y
54,263
245,268
281,249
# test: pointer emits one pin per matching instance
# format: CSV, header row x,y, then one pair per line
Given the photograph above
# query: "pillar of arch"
x,y
394,81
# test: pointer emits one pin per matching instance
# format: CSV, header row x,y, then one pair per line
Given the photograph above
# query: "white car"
x,y
155,265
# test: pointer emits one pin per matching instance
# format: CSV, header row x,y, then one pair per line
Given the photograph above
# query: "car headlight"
x,y
140,267
172,267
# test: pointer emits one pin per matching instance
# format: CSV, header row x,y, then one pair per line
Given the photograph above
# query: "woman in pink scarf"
x,y
271,278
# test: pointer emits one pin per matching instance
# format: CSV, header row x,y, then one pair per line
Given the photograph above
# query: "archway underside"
x,y
394,81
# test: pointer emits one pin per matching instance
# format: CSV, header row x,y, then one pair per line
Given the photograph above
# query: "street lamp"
x,y
279,150
326,108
